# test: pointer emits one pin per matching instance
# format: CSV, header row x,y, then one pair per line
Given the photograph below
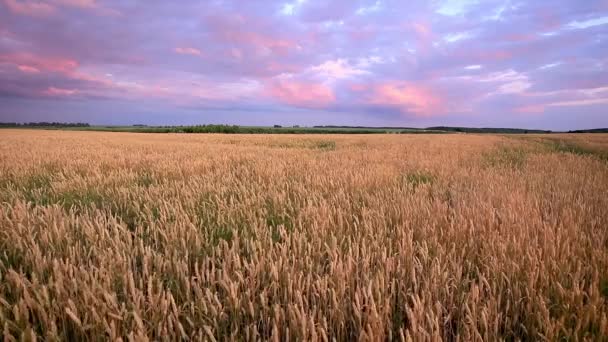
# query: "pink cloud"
x,y
262,43
52,91
537,109
28,69
574,97
244,31
422,30
88,5
358,87
78,3
236,53
28,62
35,8
408,97
188,51
301,93
30,8
63,69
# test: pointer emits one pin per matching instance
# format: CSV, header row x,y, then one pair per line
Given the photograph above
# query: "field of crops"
x,y
324,237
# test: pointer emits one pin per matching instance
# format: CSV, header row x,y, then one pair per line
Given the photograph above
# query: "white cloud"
x,y
515,87
564,93
550,65
329,24
473,67
594,91
455,7
512,81
589,23
241,88
549,34
454,37
291,8
504,76
369,61
337,69
370,9
498,14
576,103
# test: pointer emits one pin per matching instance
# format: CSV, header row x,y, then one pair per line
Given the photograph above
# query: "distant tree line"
x,y
233,129
596,130
209,129
444,129
489,130
278,129
44,124
366,127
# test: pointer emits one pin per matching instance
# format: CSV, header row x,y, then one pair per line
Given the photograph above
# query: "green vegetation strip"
x,y
562,146
277,129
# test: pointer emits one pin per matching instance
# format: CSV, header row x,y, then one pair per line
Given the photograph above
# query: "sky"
x,y
483,63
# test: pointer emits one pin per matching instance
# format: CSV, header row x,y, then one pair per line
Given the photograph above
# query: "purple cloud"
x,y
371,62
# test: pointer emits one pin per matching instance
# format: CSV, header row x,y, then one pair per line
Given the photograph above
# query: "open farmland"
x,y
345,237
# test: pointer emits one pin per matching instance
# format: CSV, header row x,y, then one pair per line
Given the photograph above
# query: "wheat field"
x,y
121,236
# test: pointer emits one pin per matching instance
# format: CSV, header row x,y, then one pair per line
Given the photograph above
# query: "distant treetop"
x,y
44,124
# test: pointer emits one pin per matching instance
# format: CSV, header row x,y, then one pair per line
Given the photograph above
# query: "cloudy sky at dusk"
x,y
529,64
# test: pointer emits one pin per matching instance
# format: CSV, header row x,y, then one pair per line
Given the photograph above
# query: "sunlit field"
x,y
298,237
